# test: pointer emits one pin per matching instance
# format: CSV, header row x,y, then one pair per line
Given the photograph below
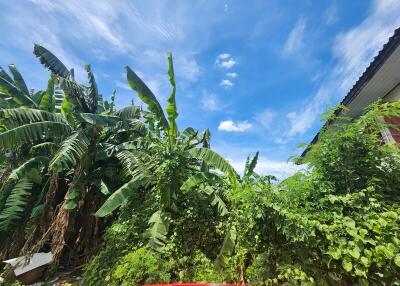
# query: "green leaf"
x,y
349,222
213,159
147,96
171,107
92,92
355,252
194,181
24,168
119,197
129,112
32,132
19,116
13,92
250,166
66,108
158,230
220,204
100,120
70,205
347,265
18,79
335,253
228,246
104,189
396,259
47,102
76,94
13,211
70,152
50,61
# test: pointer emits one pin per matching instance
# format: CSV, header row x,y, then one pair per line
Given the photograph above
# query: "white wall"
x,y
393,95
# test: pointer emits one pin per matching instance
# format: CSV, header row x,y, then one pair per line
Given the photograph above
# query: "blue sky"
x,y
257,73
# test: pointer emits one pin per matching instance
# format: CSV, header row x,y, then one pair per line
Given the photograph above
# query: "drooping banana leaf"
x,y
50,61
8,88
71,152
250,166
212,158
92,92
32,132
158,230
18,79
20,116
5,75
129,112
15,206
171,107
75,94
217,201
100,120
147,96
228,246
119,197
21,171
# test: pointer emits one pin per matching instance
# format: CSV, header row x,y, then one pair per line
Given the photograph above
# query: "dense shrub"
x,y
335,223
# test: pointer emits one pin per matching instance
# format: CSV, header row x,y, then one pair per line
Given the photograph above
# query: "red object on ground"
x,y
194,284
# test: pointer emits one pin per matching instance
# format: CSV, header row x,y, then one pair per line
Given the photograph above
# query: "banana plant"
x,y
13,90
206,181
66,130
162,160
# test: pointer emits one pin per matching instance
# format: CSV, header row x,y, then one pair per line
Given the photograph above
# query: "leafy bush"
x,y
142,266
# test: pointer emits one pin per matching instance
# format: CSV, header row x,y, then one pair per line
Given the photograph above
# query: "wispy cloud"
x,y
331,14
266,117
353,51
231,74
210,101
266,166
226,83
230,126
122,85
294,42
236,155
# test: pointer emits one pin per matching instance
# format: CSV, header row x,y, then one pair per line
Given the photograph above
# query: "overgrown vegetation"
x,y
145,202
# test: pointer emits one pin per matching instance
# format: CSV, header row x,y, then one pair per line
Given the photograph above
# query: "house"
x,y
380,80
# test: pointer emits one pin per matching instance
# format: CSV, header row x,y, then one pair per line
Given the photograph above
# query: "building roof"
x,y
376,64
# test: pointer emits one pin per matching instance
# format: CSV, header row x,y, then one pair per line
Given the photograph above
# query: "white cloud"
x,y
353,50
230,126
226,83
266,117
265,166
356,48
227,64
224,56
294,42
226,7
210,101
330,14
231,74
122,85
225,61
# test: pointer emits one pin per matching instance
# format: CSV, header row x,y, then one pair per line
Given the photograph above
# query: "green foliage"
x,y
50,61
147,96
13,209
176,210
143,266
171,107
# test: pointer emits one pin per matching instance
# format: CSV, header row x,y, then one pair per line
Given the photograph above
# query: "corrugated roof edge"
x,y
370,71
